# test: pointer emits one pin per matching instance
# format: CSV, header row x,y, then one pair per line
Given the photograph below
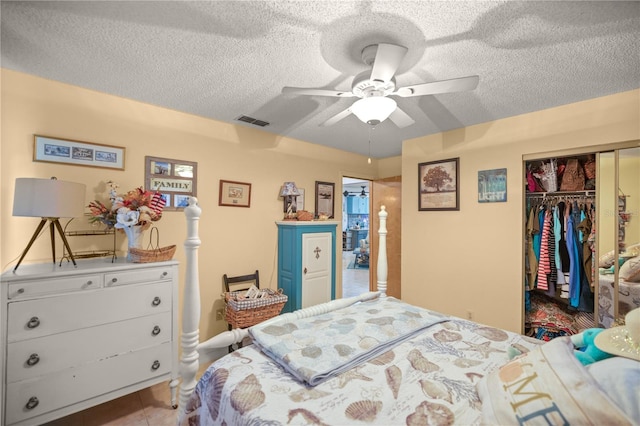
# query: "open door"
x,y
387,192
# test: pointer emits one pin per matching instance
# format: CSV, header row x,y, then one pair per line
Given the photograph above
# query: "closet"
x,y
580,227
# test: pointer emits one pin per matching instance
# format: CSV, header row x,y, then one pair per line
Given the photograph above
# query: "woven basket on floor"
x,y
242,313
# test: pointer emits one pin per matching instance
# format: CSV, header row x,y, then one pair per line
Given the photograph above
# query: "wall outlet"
x,y
469,315
219,314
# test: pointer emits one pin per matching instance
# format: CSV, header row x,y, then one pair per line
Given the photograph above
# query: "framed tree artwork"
x,y
438,185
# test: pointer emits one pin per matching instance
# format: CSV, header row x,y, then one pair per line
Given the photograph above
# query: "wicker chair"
x,y
239,283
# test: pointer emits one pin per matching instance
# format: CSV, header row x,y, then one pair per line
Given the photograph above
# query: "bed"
x,y
404,365
628,298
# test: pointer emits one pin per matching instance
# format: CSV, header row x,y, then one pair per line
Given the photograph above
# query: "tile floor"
x,y
354,281
152,406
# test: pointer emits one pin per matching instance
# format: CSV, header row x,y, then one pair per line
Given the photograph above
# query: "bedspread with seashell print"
x,y
319,347
427,380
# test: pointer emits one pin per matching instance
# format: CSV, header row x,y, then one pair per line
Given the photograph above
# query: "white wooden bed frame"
x,y
195,352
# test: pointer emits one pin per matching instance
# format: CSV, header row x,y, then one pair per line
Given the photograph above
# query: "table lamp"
x,y
49,199
290,192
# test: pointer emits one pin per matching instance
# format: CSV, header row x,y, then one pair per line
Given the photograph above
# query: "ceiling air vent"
x,y
253,121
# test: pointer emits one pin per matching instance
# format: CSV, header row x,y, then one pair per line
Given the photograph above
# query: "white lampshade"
x,y
289,188
48,198
374,110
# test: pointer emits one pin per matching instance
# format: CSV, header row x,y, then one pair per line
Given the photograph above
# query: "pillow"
x,y
620,379
630,270
606,260
547,385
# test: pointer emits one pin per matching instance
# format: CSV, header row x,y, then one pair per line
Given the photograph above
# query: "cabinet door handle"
x,y
33,322
33,360
156,301
32,403
156,330
155,365
305,270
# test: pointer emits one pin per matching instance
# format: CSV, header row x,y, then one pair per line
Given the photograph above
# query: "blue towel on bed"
x,y
316,348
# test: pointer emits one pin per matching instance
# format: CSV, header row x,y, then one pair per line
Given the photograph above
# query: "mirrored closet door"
x,y
619,235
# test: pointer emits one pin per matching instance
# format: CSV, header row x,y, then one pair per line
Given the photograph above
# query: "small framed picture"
x,y
438,185
325,199
492,186
234,194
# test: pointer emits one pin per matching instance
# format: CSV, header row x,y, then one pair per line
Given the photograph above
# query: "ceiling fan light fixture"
x,y
373,110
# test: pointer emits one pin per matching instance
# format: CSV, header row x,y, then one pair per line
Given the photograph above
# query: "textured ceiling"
x,y
224,59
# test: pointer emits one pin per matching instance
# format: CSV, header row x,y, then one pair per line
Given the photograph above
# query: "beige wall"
x,y
234,240
471,260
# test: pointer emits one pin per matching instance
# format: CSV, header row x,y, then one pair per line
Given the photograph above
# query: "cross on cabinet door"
x,y
316,268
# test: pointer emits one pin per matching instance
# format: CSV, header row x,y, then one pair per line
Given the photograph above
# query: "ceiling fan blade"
x,y
401,118
444,86
339,116
315,92
388,59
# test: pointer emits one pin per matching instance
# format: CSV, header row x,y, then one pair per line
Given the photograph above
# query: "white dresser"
x,y
77,337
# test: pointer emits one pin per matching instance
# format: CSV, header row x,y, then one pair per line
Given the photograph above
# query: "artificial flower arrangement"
x,y
135,208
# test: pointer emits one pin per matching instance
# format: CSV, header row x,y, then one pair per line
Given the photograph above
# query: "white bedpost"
x,y
190,338
382,252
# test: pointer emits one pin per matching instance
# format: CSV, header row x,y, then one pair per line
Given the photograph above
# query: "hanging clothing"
x,y
531,255
562,246
574,263
544,267
585,231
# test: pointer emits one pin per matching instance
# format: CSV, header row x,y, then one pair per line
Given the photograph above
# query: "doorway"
x,y
355,236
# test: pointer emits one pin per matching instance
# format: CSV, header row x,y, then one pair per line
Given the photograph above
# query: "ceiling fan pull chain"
x,y
369,159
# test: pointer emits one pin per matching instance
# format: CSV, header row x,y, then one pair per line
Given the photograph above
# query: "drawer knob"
x,y
89,282
33,360
20,290
155,365
114,280
156,301
156,330
32,403
33,322
165,273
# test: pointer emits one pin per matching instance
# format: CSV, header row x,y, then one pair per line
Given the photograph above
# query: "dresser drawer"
x,y
26,289
41,317
143,275
73,385
37,357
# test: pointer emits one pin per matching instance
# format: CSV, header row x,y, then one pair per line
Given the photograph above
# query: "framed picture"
x,y
77,153
492,186
298,202
325,198
234,194
438,185
176,180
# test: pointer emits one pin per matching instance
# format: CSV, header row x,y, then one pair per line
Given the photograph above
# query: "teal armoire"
x,y
307,262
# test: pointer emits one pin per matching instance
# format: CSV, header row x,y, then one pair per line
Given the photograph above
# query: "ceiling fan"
x,y
374,87
362,193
